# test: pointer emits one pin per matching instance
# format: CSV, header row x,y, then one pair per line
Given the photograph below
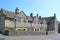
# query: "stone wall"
x,y
51,32
25,33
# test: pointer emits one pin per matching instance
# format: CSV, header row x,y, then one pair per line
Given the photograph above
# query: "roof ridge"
x,y
7,11
48,17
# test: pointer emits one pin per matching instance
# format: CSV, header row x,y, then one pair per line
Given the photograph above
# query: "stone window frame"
x,y
35,29
22,29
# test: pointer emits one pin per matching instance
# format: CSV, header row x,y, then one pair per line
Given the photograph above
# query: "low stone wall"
x,y
51,32
25,33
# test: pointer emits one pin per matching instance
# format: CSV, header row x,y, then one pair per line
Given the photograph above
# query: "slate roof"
x,y
32,18
22,14
8,13
49,19
50,22
29,18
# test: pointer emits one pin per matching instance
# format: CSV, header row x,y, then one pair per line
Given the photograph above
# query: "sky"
x,y
44,8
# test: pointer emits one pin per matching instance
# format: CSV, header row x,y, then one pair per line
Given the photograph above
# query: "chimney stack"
x,y
1,9
17,11
55,15
31,15
37,15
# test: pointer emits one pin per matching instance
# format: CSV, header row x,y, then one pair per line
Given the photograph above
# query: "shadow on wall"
x,y
6,33
58,30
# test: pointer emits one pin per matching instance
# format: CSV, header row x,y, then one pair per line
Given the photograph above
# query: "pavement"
x,y
35,37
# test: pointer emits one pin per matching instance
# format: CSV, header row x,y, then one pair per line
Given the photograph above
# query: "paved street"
x,y
36,37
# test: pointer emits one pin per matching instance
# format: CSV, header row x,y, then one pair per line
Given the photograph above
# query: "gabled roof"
x,y
21,14
30,18
11,14
49,19
8,13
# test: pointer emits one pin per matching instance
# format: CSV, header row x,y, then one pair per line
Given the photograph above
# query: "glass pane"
x,y
19,19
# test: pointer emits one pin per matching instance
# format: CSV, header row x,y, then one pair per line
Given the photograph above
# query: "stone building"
x,y
22,22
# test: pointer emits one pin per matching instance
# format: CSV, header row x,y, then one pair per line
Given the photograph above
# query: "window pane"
x,y
18,19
